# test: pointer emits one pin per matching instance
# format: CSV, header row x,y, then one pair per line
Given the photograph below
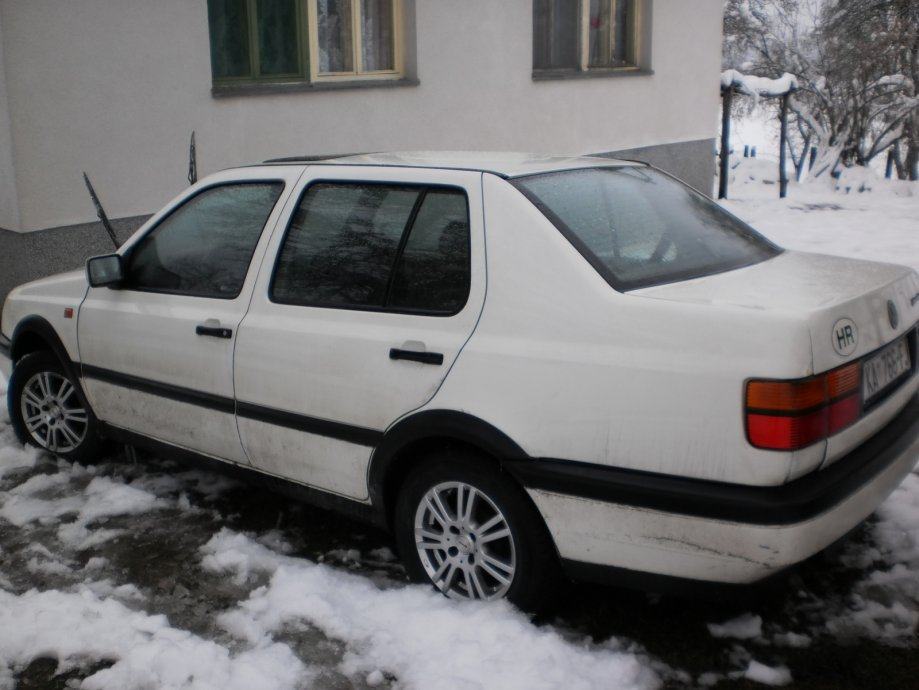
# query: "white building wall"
x,y
115,87
9,205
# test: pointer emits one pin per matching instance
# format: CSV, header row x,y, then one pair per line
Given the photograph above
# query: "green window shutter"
x,y
229,28
278,46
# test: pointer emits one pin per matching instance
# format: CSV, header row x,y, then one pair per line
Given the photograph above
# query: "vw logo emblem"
x,y
892,314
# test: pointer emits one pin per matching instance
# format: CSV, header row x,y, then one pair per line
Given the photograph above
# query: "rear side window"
x,y
639,227
433,272
376,247
204,247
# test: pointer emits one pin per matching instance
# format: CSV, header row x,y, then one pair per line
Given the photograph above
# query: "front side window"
x,y
204,247
376,247
639,227
304,40
585,35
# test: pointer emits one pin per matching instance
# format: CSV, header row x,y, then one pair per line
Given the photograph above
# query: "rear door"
x,y
157,353
360,309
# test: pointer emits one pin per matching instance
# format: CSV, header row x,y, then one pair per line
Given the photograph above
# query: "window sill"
x,y
613,73
267,88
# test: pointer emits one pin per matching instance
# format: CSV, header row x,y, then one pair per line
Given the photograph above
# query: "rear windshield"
x,y
639,227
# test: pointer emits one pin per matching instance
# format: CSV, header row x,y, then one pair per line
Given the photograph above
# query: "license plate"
x,y
884,368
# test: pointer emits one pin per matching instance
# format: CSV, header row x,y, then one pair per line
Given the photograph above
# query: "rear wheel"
x,y
48,410
471,532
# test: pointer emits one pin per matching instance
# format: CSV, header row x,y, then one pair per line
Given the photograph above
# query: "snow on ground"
x,y
423,638
879,225
153,574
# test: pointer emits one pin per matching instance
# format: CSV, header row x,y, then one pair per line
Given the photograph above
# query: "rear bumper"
x,y
713,531
6,363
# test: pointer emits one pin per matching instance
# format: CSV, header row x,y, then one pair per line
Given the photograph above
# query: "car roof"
x,y
503,163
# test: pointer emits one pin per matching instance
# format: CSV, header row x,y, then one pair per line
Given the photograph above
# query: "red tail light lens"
x,y
788,415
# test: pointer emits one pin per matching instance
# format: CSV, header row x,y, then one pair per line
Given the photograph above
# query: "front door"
x,y
157,352
361,308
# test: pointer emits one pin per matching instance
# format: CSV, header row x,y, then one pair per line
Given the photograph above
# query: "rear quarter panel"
x,y
571,369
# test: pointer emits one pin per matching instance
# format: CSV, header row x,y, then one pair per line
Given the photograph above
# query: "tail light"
x,y
788,415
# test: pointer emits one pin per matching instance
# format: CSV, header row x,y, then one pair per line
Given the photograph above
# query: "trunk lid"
x,y
820,289
852,309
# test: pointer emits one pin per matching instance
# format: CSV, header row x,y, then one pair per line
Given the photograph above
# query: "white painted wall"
x,y
116,86
9,206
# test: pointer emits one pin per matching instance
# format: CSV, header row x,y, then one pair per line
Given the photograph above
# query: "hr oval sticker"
x,y
845,337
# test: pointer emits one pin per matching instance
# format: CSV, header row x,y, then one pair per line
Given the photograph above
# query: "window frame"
x,y
357,57
633,61
307,35
126,257
424,187
255,76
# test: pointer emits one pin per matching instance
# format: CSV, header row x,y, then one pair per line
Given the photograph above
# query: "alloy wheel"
x,y
464,542
52,412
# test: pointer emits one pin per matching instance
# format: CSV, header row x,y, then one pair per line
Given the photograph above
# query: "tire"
x,y
49,411
529,561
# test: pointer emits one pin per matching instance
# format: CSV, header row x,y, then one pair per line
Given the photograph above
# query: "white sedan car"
x,y
521,365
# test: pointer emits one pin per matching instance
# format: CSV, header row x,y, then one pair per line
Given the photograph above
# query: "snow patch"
x,y
758,87
78,628
422,638
745,627
767,675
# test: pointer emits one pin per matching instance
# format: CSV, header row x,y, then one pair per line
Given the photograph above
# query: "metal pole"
x,y
783,145
725,142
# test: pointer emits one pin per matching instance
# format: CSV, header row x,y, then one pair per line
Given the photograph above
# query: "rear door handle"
x,y
214,331
435,358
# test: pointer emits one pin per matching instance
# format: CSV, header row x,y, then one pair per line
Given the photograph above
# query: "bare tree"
x,y
855,63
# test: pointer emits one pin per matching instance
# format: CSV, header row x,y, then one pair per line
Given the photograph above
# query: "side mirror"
x,y
105,271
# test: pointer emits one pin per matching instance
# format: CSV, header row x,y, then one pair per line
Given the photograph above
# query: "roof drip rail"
x,y
310,159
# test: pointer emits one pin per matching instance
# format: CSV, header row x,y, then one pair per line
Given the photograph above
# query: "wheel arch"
x,y
407,443
34,333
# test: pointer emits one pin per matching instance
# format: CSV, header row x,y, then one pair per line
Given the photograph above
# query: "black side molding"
x,y
164,390
312,425
790,503
415,356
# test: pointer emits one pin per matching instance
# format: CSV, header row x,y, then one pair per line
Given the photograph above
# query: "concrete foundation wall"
x,y
691,161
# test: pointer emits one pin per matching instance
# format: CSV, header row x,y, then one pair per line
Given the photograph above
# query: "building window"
x,y
304,40
585,35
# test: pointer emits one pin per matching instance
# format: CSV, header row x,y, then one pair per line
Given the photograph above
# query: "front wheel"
x,y
470,531
48,410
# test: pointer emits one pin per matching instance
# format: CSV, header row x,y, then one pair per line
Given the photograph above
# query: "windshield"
x,y
639,227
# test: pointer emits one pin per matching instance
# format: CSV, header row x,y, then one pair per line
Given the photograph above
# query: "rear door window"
x,y
433,271
377,247
639,227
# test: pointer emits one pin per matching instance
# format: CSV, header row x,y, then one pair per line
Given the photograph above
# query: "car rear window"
x,y
639,227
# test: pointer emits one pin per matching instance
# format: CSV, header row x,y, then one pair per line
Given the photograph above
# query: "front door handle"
x,y
214,331
435,358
